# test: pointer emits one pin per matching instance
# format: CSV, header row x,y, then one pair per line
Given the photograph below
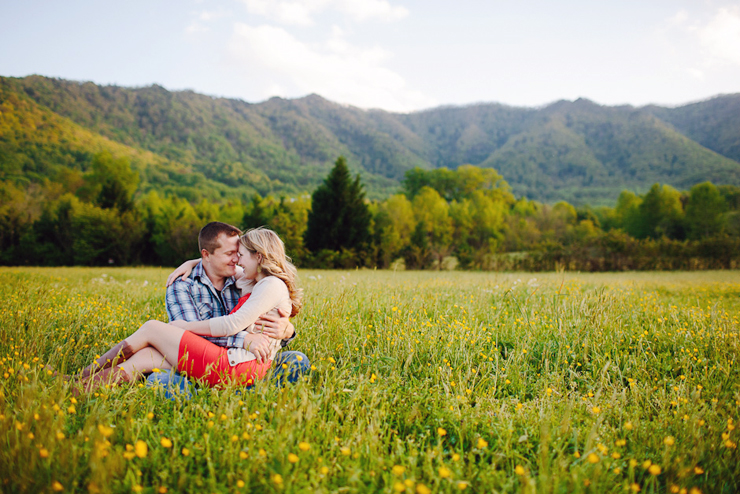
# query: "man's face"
x,y
222,262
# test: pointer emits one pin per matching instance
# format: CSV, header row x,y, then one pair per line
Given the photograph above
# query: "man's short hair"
x,y
208,236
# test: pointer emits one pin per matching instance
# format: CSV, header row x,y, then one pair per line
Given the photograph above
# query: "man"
x,y
210,291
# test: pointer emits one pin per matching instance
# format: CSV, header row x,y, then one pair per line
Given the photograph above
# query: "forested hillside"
x,y
715,123
197,146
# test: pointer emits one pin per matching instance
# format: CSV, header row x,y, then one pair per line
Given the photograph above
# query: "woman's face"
x,y
249,262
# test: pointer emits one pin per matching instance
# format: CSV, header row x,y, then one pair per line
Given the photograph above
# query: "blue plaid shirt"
x,y
196,299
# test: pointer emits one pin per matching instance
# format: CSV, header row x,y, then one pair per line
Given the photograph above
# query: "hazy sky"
x,y
399,55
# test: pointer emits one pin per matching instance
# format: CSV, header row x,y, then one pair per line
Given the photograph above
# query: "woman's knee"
x,y
151,325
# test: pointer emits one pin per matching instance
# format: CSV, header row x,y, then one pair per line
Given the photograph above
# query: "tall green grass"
x,y
423,382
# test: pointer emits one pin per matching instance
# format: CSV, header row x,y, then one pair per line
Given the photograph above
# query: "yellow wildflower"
x,y
422,489
105,430
141,449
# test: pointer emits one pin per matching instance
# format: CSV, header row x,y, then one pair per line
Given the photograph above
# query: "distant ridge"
x,y
198,146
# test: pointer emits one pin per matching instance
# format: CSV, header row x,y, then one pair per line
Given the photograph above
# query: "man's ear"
x,y
204,254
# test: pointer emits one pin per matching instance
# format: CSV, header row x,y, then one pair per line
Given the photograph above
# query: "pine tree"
x,y
339,218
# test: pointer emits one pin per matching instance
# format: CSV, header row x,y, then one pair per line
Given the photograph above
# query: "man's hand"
x,y
259,345
274,326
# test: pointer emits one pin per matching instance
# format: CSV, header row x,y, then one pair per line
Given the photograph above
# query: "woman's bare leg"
x,y
164,337
145,360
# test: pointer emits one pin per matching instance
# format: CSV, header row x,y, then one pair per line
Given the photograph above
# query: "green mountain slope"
x,y
469,134
715,123
199,146
271,148
36,143
588,153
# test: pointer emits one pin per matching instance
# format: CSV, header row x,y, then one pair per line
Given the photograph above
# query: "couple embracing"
x,y
229,315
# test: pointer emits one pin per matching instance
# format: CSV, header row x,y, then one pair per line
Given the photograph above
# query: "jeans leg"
x,y
174,384
289,367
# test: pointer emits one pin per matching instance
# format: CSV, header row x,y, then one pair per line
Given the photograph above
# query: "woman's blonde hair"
x,y
274,261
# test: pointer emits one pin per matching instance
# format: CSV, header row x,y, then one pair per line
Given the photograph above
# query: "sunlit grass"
x,y
423,382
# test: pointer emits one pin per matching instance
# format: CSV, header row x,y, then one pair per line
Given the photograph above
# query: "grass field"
x,y
423,382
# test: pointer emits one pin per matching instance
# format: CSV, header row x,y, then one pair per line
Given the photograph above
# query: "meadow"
x,y
422,382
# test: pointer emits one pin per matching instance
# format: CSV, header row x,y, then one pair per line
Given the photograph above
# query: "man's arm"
x,y
180,304
290,333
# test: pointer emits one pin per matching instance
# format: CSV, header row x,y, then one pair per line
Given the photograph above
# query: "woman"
x,y
268,284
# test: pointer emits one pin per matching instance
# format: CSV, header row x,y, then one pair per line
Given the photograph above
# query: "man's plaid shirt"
x,y
196,299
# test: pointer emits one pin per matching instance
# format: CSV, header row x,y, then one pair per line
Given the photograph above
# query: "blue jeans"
x,y
288,366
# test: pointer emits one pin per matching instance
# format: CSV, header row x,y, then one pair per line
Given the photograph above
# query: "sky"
x,y
396,55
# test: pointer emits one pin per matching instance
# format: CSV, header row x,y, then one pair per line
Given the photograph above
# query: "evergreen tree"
x,y
339,218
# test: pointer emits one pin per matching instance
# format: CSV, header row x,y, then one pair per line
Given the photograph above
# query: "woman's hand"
x,y
259,345
183,270
274,326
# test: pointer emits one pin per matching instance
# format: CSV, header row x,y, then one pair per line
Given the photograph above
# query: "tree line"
x,y
465,218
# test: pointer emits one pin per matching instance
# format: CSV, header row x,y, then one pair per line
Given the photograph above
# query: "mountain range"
x,y
203,147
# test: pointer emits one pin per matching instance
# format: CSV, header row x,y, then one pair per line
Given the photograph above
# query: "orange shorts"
x,y
199,358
